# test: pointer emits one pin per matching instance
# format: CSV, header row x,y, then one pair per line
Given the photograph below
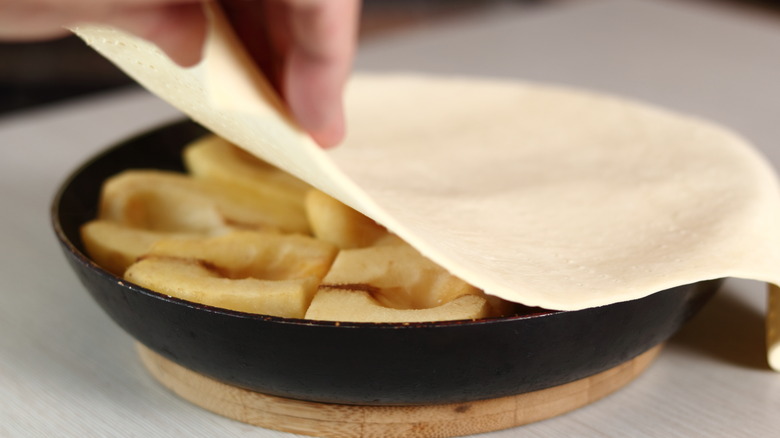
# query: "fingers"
x,y
177,26
313,91
305,49
321,49
178,29
23,21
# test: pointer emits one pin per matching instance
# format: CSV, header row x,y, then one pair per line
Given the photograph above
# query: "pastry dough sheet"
x,y
543,195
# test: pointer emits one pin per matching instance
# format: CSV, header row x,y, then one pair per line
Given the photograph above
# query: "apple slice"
x,y
194,280
217,161
350,305
169,201
115,246
243,254
158,201
266,273
399,276
335,222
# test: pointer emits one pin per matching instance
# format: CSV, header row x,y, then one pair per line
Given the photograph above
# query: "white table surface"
x,y
66,370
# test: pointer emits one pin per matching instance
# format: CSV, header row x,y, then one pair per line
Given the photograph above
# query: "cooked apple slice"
x,y
345,305
399,276
243,254
214,159
266,273
168,201
197,281
158,201
246,206
335,222
115,246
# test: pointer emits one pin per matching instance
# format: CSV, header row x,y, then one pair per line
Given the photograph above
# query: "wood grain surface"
x,y
349,421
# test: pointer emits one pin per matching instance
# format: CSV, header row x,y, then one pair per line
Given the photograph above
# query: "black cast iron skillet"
x,y
357,363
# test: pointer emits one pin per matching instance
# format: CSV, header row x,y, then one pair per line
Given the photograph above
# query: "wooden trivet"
x,y
347,421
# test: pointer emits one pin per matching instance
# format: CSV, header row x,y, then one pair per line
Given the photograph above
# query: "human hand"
x,y
305,47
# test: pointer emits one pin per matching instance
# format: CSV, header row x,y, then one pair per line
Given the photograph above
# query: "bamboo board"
x,y
348,421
